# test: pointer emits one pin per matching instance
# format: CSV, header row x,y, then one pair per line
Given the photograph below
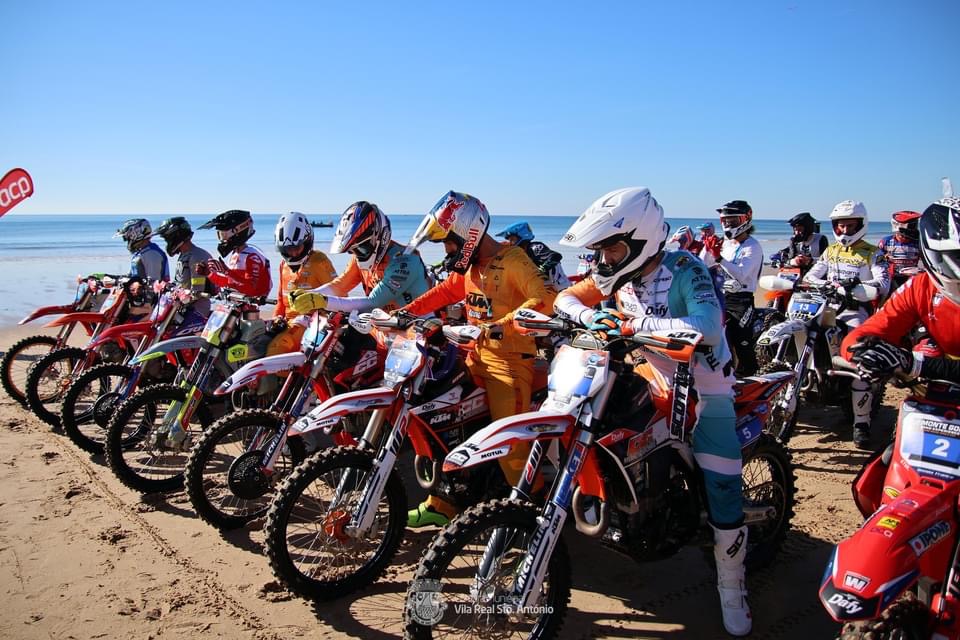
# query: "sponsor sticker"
x,y
855,581
887,522
929,537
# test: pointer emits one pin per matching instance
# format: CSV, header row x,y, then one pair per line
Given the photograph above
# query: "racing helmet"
x,y
135,232
364,231
458,217
807,224
849,210
293,237
707,229
939,230
683,236
233,227
520,229
736,217
631,216
175,231
905,223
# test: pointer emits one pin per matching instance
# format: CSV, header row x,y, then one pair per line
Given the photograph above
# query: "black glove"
x,y
877,359
277,325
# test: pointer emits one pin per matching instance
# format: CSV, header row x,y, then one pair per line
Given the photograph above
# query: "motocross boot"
x,y
861,397
729,550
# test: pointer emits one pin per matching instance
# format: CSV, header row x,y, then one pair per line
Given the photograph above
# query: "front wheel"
x,y
89,404
782,420
137,448
906,619
48,380
17,360
480,606
768,482
225,478
309,541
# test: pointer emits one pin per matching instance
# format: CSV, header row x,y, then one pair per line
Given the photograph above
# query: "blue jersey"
x,y
395,282
150,263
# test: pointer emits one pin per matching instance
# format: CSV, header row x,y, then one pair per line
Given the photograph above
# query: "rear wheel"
x,y
90,403
768,482
137,448
48,380
485,608
18,359
225,478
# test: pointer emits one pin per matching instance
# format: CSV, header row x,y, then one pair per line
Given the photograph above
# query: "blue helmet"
x,y
519,229
706,226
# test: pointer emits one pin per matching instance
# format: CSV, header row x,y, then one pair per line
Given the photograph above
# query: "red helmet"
x,y
905,223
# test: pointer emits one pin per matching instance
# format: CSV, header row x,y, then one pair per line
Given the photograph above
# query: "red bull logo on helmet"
x,y
448,213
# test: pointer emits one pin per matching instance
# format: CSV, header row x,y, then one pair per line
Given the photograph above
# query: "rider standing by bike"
x,y
494,280
178,236
302,267
741,260
931,298
546,259
806,245
902,247
246,270
389,277
664,290
850,261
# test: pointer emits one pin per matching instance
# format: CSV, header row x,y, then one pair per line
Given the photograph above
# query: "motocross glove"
x,y
877,359
610,323
277,325
845,287
306,301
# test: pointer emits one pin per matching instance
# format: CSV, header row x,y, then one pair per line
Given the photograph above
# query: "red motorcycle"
x,y
898,576
50,377
22,354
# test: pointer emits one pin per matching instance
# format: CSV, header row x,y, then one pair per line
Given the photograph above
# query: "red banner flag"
x,y
15,187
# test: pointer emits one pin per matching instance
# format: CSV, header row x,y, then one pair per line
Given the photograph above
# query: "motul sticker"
x,y
891,492
15,187
934,534
855,581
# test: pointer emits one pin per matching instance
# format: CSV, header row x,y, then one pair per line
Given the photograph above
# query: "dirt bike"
x,y
23,353
338,519
780,299
627,476
898,575
95,394
234,466
805,344
151,432
50,376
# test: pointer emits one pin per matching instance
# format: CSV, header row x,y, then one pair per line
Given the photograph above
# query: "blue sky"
x,y
534,107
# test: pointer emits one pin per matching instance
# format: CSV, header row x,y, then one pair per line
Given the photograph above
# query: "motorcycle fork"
x,y
184,413
363,515
944,605
296,380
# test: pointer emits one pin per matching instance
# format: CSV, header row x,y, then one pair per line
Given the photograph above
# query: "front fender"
x,y
255,370
85,317
497,439
122,333
869,570
168,346
47,311
331,410
782,331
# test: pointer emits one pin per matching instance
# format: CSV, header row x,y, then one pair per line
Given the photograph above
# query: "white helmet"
x,y
940,246
849,210
458,217
631,216
294,238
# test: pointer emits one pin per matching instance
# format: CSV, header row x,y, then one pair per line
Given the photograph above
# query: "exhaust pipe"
x,y
580,507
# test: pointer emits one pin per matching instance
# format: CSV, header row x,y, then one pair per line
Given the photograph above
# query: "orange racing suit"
x,y
315,271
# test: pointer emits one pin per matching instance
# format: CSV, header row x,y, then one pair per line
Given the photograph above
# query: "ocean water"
x,y
41,255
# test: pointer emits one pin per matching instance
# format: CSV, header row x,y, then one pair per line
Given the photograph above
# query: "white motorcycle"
x,y
806,343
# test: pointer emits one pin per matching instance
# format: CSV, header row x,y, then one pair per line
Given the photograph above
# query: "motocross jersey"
x,y
813,247
187,277
150,263
315,271
493,290
917,302
901,254
861,260
678,295
397,280
548,262
248,272
742,262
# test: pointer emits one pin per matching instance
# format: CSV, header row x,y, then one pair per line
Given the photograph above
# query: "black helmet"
x,y
233,227
175,231
805,220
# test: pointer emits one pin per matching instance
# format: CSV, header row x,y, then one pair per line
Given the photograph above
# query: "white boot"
x,y
729,549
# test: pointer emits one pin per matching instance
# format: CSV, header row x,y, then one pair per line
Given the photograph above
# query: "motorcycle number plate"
x,y
931,445
803,309
403,358
215,322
